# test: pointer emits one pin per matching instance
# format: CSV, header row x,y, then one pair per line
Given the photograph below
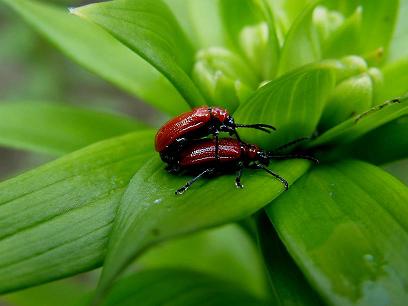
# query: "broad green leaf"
x,y
67,292
379,19
357,126
386,143
346,226
102,54
150,211
292,103
346,39
55,220
200,20
395,80
57,129
285,13
251,31
398,47
288,285
178,287
302,43
150,29
351,96
226,252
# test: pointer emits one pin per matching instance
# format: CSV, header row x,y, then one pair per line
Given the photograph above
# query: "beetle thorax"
x,y
219,113
250,152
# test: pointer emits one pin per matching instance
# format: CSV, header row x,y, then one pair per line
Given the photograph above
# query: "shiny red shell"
x,y
187,123
229,150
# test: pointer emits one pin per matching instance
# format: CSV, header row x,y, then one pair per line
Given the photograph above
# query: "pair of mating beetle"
x,y
182,146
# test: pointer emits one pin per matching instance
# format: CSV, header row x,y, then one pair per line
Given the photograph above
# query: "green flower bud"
x,y
223,77
346,38
254,41
351,97
326,21
377,79
346,67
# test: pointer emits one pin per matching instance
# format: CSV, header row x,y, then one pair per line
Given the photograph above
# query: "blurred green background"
x,y
31,69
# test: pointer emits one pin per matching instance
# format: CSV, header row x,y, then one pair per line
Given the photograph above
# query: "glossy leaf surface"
x,y
345,224
395,80
292,103
288,286
387,143
356,127
203,30
150,29
379,19
50,213
57,129
102,54
177,287
150,211
227,252
398,44
303,36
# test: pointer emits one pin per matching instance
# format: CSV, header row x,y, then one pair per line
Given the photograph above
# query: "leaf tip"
x,y
76,11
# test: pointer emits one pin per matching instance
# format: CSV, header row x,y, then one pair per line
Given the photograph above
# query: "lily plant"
x,y
333,71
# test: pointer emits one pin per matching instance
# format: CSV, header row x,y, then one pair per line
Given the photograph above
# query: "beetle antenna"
x,y
270,155
258,126
291,143
281,179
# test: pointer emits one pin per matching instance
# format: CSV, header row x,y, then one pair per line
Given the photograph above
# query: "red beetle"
x,y
232,155
198,123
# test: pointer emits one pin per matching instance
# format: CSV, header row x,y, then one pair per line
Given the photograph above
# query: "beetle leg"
x,y
281,179
236,135
217,155
173,168
191,182
238,177
297,156
291,143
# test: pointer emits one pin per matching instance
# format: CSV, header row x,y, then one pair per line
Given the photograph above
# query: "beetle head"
x,y
262,157
229,123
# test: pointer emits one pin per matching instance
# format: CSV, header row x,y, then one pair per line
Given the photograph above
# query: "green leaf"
x,y
351,96
398,49
289,286
226,252
285,13
150,29
292,103
150,211
356,127
346,39
99,52
203,30
302,43
55,220
386,143
379,19
178,287
346,226
62,293
251,31
395,80
57,129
